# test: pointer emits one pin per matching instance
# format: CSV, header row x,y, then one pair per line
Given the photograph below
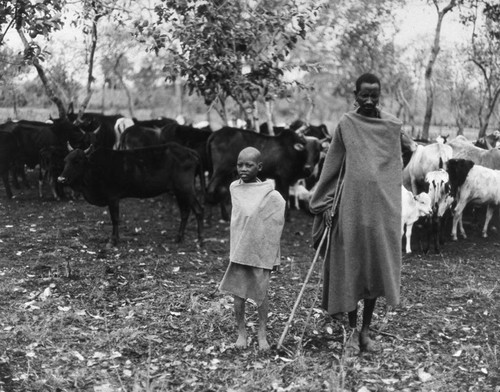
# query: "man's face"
x,y
367,98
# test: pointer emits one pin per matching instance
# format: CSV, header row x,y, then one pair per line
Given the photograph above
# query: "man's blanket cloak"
x,y
364,258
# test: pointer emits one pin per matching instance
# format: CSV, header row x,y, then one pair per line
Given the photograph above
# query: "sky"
x,y
418,19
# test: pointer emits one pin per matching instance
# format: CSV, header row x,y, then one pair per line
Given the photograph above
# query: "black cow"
x,y
317,131
38,143
488,142
106,176
9,156
99,127
138,136
159,122
286,158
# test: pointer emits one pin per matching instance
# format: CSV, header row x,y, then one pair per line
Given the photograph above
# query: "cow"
x,y
412,208
438,188
286,158
141,136
318,131
473,184
137,136
299,192
43,144
9,154
424,160
100,127
408,147
464,149
489,141
105,176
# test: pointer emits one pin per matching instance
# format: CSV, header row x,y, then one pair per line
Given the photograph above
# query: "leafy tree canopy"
x,y
230,48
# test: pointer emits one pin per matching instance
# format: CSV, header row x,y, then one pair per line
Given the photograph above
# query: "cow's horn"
x,y
89,149
69,147
302,129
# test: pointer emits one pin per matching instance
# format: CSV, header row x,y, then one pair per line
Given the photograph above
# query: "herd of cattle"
x,y
446,176
110,157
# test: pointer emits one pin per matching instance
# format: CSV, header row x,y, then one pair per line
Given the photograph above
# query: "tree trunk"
x,y
43,77
103,97
269,114
178,97
14,103
430,65
255,116
124,86
90,77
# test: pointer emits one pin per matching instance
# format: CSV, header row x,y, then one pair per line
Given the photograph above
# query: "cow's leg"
x,y
457,219
414,187
15,180
409,228
198,212
5,178
184,204
489,215
114,213
284,190
437,234
40,182
53,185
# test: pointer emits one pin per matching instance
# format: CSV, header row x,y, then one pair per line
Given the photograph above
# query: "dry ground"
x,y
146,316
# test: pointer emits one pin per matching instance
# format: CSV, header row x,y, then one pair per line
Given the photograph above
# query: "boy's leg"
x,y
239,313
263,310
364,338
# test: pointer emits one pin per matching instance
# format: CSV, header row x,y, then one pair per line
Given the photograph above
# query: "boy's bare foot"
x,y
241,342
263,344
366,344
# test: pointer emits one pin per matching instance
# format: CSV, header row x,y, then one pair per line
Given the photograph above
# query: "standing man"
x,y
363,261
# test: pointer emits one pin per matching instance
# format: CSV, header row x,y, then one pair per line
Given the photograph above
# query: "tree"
x,y
429,90
34,19
224,49
11,65
485,55
365,44
460,81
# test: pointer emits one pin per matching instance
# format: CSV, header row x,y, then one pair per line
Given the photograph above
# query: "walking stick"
x,y
326,234
297,301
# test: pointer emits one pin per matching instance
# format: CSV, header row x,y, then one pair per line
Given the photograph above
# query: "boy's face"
x,y
248,167
368,97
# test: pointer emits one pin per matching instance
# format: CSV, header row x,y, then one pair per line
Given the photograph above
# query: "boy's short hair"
x,y
367,78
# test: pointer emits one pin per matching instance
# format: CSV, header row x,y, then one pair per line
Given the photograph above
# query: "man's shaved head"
x,y
250,153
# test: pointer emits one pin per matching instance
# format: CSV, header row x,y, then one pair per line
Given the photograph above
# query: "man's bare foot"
x,y
367,345
241,342
351,348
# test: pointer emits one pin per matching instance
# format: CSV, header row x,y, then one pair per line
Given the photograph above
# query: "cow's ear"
x,y
299,147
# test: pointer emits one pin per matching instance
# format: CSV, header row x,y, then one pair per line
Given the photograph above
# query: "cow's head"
x,y
75,165
424,204
312,148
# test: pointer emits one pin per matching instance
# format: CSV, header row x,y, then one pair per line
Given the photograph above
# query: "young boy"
x,y
257,218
